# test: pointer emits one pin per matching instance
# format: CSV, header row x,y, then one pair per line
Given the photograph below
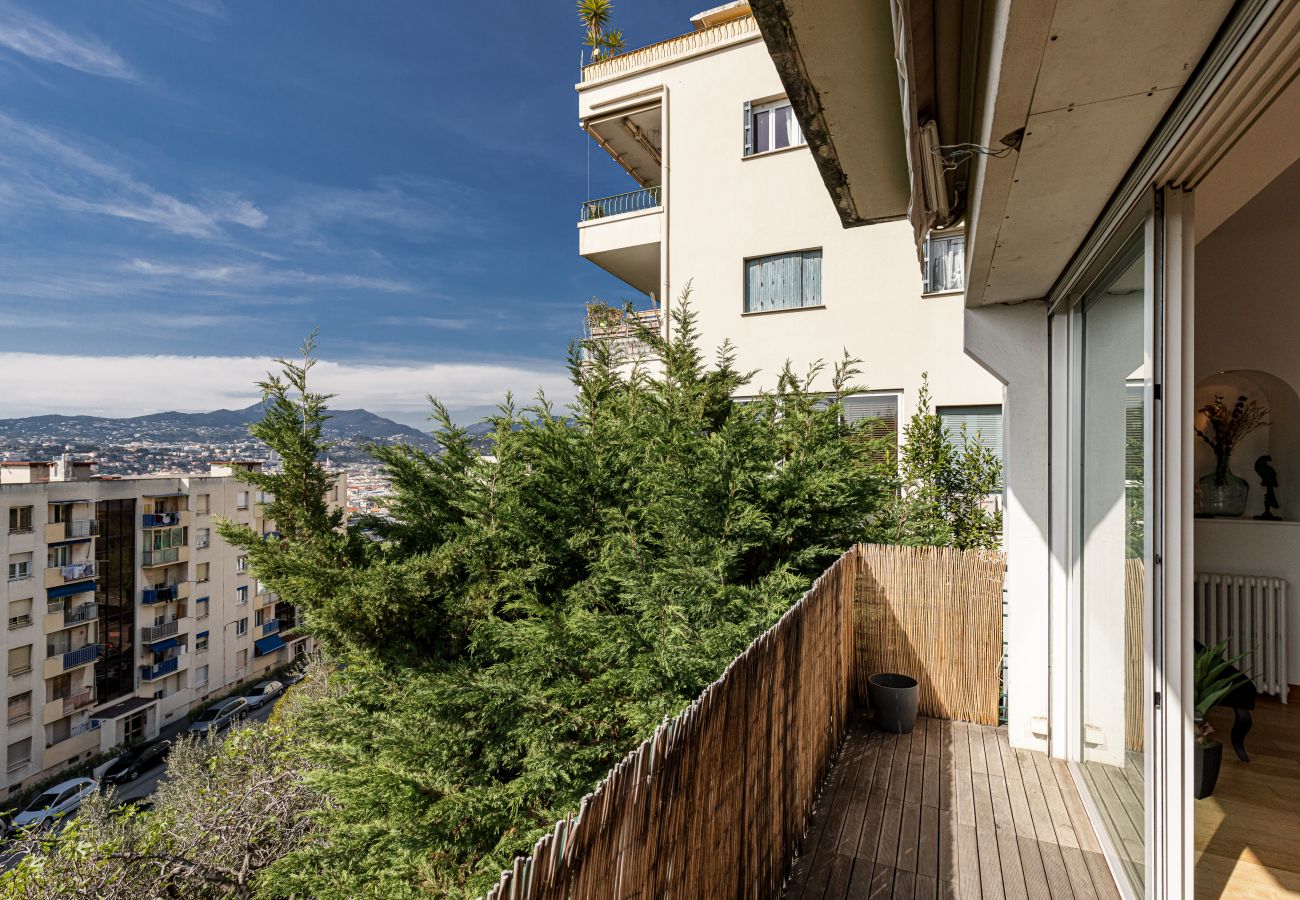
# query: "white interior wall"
x,y
1247,335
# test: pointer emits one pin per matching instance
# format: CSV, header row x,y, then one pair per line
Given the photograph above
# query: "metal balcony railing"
x,y
81,656
152,633
164,668
77,571
74,702
161,520
632,201
83,613
160,594
80,528
270,627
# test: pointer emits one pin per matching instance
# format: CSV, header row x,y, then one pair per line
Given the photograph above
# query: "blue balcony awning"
x,y
268,644
67,590
164,644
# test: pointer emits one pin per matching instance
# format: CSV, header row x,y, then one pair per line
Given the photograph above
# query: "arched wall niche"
x,y
1279,439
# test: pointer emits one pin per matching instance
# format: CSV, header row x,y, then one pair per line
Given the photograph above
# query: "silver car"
x,y
61,800
219,715
264,693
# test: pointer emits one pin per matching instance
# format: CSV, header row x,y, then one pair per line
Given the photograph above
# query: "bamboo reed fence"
x,y
1134,648
715,801
934,613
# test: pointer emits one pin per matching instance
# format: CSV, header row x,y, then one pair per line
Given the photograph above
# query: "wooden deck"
x,y
947,811
1118,792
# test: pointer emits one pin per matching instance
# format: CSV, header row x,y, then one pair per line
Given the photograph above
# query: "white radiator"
x,y
1249,612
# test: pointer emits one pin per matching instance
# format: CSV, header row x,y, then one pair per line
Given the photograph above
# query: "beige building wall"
x,y
721,207
213,593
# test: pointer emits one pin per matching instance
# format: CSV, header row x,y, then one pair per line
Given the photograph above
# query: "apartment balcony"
x,y
82,738
56,576
169,593
65,661
58,708
75,529
623,235
712,33
162,669
622,332
151,633
271,627
61,614
171,556
180,518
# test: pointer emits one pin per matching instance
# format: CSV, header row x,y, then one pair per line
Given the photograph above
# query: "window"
x,y
20,754
882,411
783,281
60,513
241,660
204,538
201,608
770,126
259,618
20,519
20,707
241,594
202,504
200,676
200,572
20,613
201,643
241,500
945,263
20,660
59,687
58,557
983,425
241,627
241,564
20,566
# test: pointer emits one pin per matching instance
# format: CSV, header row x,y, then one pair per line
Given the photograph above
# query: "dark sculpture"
x,y
1268,478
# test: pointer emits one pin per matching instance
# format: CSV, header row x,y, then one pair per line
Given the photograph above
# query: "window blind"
x,y
783,281
883,410
983,425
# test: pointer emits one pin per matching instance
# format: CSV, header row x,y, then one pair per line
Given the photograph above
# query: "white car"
x,y
263,693
59,801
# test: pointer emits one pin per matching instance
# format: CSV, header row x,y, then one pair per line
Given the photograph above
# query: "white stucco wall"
x,y
721,208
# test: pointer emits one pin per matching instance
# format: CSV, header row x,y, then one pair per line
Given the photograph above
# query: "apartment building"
x,y
125,608
725,195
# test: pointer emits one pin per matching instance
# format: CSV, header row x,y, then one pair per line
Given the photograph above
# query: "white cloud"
x,y
255,275
37,39
136,385
37,165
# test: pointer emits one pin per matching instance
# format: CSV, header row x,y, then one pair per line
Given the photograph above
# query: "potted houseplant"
x,y
893,699
1221,492
1214,678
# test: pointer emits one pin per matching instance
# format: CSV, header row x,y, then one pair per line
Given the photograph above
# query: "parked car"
x,y
263,693
219,715
136,761
57,802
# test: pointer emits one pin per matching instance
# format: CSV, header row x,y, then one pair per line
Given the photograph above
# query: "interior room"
x,y
1247,547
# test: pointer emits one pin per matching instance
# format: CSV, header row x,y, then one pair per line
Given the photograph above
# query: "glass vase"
x,y
1223,493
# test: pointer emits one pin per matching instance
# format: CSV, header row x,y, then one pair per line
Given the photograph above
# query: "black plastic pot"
x,y
893,699
1208,758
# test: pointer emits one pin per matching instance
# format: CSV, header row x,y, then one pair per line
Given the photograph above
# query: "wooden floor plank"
x,y
927,842
1058,879
991,877
909,837
904,885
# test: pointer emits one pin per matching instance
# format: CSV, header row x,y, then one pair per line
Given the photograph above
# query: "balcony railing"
x,y
80,656
160,594
632,201
164,668
612,324
162,557
76,571
74,702
20,620
73,528
671,50
270,627
152,633
161,520
83,613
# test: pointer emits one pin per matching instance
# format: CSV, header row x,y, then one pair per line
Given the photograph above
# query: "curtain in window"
x,y
945,262
784,281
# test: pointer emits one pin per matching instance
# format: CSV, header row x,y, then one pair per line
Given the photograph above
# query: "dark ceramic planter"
x,y
893,699
1208,758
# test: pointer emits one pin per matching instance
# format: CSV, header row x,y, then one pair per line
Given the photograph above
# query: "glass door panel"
x,y
1114,547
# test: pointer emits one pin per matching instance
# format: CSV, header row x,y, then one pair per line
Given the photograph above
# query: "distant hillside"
x,y
221,427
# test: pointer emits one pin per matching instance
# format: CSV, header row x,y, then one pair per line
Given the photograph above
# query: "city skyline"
x,y
188,188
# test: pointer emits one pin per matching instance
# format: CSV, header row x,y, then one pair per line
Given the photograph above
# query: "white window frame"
x,y
752,110
241,627
241,595
19,568
943,236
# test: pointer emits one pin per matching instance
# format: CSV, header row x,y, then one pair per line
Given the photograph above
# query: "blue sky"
x,y
187,187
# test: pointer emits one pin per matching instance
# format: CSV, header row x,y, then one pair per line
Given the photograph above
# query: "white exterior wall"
x,y
227,668
721,208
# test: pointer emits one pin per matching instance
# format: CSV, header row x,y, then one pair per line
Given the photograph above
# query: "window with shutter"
x,y
783,281
983,425
881,411
771,126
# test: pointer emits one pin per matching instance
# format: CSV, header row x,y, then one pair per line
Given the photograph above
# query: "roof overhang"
x,y
634,139
836,60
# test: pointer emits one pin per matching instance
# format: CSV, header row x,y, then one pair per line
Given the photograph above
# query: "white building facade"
x,y
726,198
125,608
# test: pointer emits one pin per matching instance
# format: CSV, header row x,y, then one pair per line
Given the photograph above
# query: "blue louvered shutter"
x,y
749,127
